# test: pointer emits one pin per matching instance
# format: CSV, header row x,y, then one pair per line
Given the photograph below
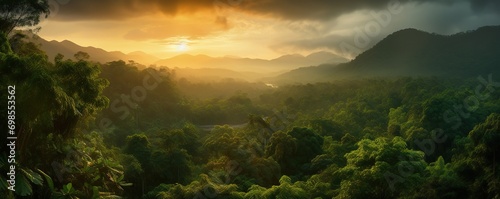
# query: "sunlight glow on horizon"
x,y
182,47
244,34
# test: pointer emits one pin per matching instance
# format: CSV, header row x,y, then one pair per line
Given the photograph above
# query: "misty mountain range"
x,y
407,52
68,49
280,64
412,52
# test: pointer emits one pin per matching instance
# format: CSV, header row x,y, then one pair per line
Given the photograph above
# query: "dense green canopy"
x,y
120,129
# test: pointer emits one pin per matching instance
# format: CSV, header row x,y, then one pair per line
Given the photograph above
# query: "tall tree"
x,y
381,168
53,99
18,13
483,157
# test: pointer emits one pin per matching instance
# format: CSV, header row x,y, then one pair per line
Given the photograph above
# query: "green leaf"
x,y
48,179
120,178
126,184
23,186
95,192
96,178
35,178
67,188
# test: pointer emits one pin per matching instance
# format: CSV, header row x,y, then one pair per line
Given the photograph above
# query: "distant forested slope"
x,y
412,52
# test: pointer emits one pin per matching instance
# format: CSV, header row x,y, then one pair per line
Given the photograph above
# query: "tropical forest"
x,y
415,115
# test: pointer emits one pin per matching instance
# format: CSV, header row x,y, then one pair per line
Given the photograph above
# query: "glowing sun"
x,y
182,46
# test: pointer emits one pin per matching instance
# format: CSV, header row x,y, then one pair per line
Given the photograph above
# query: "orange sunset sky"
x,y
253,28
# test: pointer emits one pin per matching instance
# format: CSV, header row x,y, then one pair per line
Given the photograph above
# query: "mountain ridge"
x,y
412,52
242,64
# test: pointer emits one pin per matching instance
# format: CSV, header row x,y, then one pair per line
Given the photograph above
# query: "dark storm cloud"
x,y
328,9
329,42
443,19
485,5
285,9
315,10
122,9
